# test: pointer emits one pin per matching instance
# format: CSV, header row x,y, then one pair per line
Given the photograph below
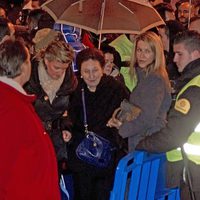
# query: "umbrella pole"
x,y
99,44
190,8
101,22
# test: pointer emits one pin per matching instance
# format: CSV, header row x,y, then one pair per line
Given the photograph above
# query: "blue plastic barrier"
x,y
169,194
66,187
139,176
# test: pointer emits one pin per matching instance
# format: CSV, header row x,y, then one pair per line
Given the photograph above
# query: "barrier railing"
x,y
140,176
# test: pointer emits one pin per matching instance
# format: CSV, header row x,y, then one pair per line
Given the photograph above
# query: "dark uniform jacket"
x,y
53,115
179,128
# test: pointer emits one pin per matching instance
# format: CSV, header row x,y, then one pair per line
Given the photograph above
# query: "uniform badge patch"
x,y
182,105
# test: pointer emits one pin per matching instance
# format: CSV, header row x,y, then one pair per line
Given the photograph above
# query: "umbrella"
x,y
105,16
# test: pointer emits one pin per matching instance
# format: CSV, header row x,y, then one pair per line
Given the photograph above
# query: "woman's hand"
x,y
113,122
66,135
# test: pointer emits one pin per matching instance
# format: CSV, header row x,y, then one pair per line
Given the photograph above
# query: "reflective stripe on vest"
x,y
192,147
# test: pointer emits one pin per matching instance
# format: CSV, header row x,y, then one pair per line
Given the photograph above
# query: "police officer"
x,y
183,128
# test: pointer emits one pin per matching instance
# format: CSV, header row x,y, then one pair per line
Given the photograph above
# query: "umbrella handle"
x,y
99,44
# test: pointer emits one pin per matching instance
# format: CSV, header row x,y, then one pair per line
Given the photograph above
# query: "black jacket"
x,y
179,128
53,115
100,106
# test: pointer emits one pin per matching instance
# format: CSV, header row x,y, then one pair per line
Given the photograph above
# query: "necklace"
x,y
91,89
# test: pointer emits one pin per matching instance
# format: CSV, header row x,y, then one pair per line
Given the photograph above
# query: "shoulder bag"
x,y
94,149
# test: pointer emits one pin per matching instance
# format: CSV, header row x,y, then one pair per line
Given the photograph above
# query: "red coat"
x,y
28,168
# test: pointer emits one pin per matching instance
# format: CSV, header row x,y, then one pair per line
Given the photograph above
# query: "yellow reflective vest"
x,y
192,146
125,47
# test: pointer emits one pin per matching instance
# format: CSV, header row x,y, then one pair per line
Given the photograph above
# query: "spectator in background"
x,y
24,12
28,166
195,24
3,12
173,4
167,33
32,21
4,4
14,10
46,21
197,9
112,63
6,29
124,45
166,11
185,13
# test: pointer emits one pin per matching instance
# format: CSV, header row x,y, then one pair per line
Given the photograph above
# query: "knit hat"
x,y
44,37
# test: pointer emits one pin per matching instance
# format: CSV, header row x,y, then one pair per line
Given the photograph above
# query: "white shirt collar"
x,y
13,84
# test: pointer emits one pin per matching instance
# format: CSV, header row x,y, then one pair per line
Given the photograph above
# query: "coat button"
x,y
46,98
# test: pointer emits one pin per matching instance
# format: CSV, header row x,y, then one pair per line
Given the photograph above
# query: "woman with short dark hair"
x,y
103,94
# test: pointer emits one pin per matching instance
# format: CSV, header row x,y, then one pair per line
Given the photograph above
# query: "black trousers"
x,y
92,185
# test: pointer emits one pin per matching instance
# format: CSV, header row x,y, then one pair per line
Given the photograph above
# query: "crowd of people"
x,y
44,67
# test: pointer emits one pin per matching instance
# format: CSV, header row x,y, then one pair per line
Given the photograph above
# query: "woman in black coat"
x,y
103,94
53,81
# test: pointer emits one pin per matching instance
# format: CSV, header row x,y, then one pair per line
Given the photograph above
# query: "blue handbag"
x,y
94,149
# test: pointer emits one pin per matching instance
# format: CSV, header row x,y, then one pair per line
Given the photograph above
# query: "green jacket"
x,y
124,46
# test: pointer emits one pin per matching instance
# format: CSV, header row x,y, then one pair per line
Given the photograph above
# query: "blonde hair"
x,y
59,51
158,66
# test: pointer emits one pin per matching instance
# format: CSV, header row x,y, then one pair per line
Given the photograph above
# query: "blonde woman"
x,y
53,81
152,93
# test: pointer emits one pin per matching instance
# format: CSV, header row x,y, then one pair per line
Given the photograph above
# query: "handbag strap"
x,y
84,110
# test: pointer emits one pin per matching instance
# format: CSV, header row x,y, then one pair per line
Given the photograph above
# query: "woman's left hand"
x,y
113,122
